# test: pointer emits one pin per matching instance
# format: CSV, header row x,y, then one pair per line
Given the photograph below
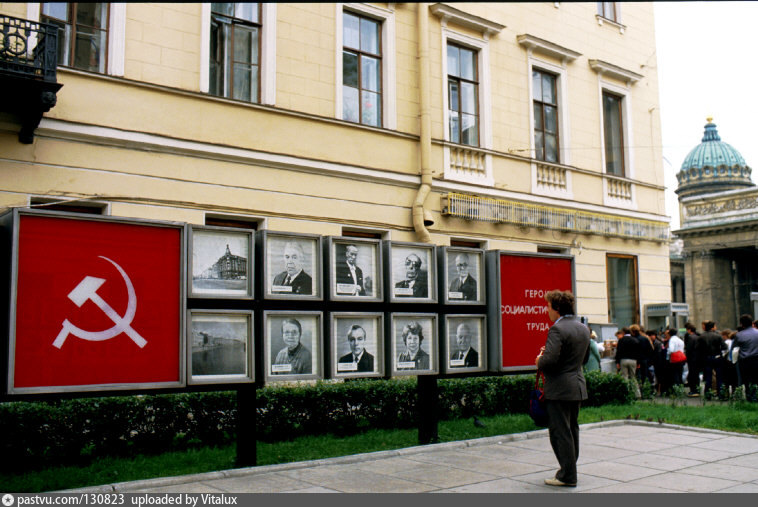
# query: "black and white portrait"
x,y
293,343
356,269
465,341
220,343
293,265
357,344
412,272
221,263
414,343
464,276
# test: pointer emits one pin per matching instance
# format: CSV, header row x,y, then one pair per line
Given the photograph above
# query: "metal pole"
x,y
427,409
246,435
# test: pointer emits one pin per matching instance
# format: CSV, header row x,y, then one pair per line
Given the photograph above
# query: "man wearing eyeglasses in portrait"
x,y
415,282
463,286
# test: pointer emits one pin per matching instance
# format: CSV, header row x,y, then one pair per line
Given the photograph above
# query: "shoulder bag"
x,y
537,410
677,357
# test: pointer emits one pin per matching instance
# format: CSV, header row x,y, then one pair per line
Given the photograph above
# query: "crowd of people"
x,y
725,359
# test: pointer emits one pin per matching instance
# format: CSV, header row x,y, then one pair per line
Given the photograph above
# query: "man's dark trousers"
x,y
563,428
714,363
749,372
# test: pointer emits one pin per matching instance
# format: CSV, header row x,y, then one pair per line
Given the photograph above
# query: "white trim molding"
x,y
389,71
447,14
267,64
536,45
618,191
615,72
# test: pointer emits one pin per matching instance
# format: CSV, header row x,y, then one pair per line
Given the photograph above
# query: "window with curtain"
x,y
82,33
608,10
545,103
463,95
623,306
613,134
235,51
361,69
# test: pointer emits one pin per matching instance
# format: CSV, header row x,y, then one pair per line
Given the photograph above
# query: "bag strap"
x,y
539,379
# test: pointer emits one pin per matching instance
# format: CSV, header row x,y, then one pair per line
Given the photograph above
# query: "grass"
x,y
740,417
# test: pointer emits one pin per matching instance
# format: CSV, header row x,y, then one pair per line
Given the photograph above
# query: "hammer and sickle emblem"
x,y
87,290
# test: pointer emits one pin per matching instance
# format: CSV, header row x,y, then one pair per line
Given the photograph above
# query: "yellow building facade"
x,y
517,126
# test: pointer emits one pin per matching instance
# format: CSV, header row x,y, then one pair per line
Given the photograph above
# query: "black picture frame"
x,y
283,254
456,357
220,346
399,350
279,364
371,362
457,262
364,283
220,262
400,259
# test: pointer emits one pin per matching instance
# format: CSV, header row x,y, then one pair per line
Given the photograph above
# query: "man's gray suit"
x,y
566,350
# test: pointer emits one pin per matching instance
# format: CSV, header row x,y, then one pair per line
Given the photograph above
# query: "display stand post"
x,y
246,434
427,409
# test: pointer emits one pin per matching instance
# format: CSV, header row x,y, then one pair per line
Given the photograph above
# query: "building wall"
x,y
152,145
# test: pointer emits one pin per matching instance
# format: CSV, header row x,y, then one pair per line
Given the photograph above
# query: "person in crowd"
x,y
627,354
463,286
294,353
413,337
675,344
747,364
415,279
696,352
466,355
348,275
593,362
358,355
561,358
645,351
656,359
294,279
730,369
714,360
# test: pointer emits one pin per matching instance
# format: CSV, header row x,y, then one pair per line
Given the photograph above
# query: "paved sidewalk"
x,y
615,457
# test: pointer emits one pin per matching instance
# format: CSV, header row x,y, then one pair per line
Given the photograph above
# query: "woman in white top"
x,y
674,344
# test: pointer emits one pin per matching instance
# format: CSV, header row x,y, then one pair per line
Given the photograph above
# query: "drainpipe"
x,y
425,141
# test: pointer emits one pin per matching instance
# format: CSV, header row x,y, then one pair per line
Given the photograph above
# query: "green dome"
x,y
712,166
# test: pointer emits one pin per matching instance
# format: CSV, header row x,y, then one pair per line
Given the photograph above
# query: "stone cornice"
x,y
447,13
615,72
547,48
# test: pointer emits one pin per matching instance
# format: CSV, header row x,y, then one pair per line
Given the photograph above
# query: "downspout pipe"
x,y
425,137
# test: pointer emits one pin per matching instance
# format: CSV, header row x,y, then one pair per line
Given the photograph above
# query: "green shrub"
x,y
76,431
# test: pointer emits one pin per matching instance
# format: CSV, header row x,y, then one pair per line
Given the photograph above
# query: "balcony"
x,y
28,62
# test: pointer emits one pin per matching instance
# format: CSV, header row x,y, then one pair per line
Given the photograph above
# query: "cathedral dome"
x,y
712,166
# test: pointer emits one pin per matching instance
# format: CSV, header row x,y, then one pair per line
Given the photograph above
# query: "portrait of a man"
x,y
358,359
415,282
349,276
464,355
294,358
294,279
463,286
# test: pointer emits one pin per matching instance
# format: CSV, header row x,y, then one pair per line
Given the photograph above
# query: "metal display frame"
x,y
334,339
431,271
391,342
192,229
317,354
317,281
231,378
481,278
483,344
331,258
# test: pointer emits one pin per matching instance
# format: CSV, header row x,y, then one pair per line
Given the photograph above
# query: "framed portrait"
x,y
220,346
465,343
292,267
463,276
355,269
292,345
357,344
220,262
414,344
412,276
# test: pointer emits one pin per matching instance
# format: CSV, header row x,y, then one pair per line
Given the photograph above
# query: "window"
x,y
545,97
463,95
361,69
465,243
608,10
231,222
82,33
235,51
90,208
613,134
623,307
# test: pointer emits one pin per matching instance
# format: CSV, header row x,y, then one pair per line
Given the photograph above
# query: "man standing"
x,y
695,350
293,280
349,275
627,354
466,356
715,346
747,341
561,359
463,286
358,356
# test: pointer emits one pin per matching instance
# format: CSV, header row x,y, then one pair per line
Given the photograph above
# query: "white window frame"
x,y
116,34
267,65
481,46
626,110
389,93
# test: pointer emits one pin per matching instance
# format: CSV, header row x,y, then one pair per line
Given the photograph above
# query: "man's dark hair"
x,y
652,332
672,331
561,301
709,325
689,326
626,330
746,320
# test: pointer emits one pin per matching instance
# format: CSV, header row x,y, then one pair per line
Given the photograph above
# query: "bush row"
x,y
74,431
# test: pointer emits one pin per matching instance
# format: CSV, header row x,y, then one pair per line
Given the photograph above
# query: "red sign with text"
x,y
524,281
98,303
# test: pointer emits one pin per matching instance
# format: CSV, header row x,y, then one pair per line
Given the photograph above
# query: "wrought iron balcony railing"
x,y
28,49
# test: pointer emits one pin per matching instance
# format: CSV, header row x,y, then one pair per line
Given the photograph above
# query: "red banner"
x,y
98,302
524,281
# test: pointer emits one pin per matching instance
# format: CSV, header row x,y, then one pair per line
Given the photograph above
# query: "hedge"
x,y
75,431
